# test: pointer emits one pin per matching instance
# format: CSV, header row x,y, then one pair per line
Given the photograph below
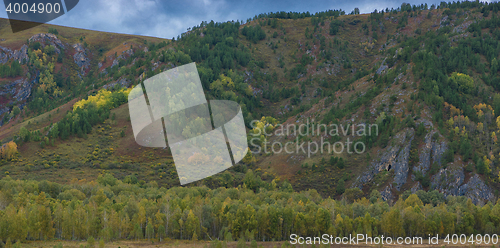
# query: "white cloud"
x,y
145,17
170,18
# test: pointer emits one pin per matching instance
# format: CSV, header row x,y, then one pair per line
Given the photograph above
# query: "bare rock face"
x,y
81,58
476,190
448,181
123,82
416,188
48,38
24,90
125,54
115,63
431,152
3,110
20,89
425,154
383,67
387,194
17,92
20,55
5,54
386,159
395,157
401,165
155,65
4,57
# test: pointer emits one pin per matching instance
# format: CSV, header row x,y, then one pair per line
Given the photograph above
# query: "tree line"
x,y
111,209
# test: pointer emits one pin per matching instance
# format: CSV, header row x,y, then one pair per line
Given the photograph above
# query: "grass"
x,y
12,128
103,150
68,34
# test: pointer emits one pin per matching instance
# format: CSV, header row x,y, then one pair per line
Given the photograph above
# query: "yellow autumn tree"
x,y
263,128
102,98
487,164
223,83
9,150
47,83
450,122
249,158
192,224
480,127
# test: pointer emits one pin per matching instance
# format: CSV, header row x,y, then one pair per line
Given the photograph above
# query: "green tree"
x,y
340,187
323,220
91,242
192,224
462,81
392,223
150,230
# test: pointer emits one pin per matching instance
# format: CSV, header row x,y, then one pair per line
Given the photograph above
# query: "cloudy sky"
x,y
169,18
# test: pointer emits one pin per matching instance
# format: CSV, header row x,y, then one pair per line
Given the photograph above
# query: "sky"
x,y
167,18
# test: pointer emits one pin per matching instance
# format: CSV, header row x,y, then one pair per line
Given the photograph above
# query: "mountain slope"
x,y
428,78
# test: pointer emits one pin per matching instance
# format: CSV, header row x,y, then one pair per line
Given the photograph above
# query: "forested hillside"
x,y
426,76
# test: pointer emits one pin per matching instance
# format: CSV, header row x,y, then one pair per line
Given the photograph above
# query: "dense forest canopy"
x,y
110,209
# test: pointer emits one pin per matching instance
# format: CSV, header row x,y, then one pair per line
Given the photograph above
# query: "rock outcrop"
x,y
20,55
448,181
416,188
81,58
20,89
401,165
382,68
4,55
115,63
125,54
396,158
476,190
123,82
431,152
17,92
387,194
47,38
